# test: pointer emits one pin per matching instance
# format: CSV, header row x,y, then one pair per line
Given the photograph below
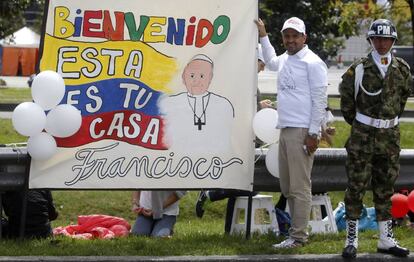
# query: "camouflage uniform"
x,y
373,153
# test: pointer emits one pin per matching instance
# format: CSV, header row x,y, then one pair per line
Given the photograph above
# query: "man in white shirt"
x,y
198,120
301,102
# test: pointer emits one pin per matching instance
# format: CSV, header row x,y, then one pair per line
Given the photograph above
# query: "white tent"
x,y
20,52
24,37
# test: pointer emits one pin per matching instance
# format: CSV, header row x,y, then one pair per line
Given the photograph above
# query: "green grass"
x,y
8,134
334,103
343,129
18,95
193,236
15,95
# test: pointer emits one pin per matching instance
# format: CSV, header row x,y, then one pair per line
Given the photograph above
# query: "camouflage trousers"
x,y
367,164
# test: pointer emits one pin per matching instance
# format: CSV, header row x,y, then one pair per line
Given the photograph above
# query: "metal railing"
x,y
328,172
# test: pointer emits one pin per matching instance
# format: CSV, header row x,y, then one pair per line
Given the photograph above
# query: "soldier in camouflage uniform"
x,y
373,92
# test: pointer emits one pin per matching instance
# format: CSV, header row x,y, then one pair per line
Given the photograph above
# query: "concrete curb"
x,y
292,258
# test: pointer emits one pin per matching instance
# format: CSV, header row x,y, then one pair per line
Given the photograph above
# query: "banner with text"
x,y
166,90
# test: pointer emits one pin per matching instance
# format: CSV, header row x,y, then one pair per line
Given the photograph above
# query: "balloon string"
x,y
262,150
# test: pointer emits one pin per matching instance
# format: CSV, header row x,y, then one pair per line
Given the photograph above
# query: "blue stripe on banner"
x,y
113,95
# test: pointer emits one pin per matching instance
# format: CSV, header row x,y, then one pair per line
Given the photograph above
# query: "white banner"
x,y
166,90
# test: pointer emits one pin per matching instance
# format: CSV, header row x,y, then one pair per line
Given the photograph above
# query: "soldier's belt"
x,y
374,122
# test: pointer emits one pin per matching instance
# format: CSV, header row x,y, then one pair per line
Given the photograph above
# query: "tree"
x,y
399,11
402,14
274,13
411,5
328,22
12,16
34,15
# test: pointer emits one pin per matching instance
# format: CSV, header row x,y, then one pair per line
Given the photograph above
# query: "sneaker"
x,y
288,243
202,197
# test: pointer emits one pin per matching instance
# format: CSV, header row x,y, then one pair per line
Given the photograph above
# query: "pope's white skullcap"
x,y
203,58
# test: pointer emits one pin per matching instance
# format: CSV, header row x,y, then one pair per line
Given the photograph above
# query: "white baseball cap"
x,y
296,24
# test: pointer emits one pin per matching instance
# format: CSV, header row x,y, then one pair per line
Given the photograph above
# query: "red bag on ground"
x,y
95,226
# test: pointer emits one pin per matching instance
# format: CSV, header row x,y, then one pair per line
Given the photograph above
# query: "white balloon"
x,y
41,146
28,119
63,121
272,160
48,89
264,125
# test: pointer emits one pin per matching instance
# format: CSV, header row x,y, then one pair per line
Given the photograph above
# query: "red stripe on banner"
x,y
128,126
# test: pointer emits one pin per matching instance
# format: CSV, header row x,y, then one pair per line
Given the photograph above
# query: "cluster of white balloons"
x,y
30,119
264,126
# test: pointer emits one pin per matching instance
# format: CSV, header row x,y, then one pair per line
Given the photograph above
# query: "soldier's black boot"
x,y
387,243
351,242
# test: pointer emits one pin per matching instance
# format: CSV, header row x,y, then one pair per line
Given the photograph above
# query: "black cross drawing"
x,y
199,123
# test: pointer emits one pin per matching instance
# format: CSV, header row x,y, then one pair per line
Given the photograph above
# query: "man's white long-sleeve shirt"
x,y
301,87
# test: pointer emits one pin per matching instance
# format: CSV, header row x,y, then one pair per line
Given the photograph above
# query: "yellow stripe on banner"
x,y
81,62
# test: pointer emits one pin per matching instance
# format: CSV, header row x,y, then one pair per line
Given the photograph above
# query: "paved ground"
x,y
15,81
267,81
267,85
6,114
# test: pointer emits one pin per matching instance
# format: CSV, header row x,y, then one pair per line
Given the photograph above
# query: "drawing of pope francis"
x,y
198,120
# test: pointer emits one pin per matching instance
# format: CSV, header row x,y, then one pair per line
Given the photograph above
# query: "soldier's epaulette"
x,y
351,69
359,61
402,61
